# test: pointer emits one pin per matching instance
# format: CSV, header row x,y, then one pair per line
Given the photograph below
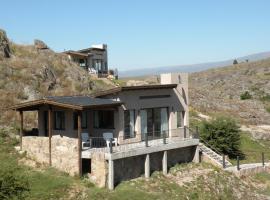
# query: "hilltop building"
x,y
93,59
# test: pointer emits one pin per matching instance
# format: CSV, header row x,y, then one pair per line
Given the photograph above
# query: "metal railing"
x,y
140,140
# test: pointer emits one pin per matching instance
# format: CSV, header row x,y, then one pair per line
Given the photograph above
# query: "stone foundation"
x,y
99,169
64,151
65,154
36,148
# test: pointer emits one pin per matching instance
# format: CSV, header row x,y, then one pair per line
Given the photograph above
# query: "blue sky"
x,y
144,33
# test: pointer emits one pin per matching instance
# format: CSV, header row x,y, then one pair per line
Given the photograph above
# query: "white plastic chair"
x,y
109,136
85,141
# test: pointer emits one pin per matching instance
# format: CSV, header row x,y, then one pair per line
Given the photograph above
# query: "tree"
x,y
222,134
245,95
235,62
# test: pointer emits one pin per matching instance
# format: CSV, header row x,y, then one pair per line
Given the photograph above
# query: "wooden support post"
x,y
21,128
79,143
50,135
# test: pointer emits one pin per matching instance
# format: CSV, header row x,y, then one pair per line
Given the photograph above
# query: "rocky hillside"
x,y
242,91
29,72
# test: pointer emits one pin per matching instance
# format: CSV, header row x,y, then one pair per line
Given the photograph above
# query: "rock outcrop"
x,y
40,45
4,45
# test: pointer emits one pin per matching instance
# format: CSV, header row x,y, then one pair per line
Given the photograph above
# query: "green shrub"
x,y
265,98
222,134
245,95
13,184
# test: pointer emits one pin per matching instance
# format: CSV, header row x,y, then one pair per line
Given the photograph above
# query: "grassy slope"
x,y
219,90
185,181
253,149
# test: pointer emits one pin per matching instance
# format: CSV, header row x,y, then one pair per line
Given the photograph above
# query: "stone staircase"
x,y
213,156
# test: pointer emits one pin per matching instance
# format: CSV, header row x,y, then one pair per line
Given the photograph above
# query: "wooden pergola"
x,y
76,103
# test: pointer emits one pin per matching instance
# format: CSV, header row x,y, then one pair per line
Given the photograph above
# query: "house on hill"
x,y
116,134
93,59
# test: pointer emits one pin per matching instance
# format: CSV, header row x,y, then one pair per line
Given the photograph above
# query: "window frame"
x,y
100,116
62,121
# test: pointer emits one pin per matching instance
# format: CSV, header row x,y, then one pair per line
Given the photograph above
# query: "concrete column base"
x,y
111,175
147,166
165,163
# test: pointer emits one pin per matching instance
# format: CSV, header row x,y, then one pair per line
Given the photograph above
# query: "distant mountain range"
x,y
193,67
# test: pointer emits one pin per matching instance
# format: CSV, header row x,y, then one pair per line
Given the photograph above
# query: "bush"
x,y
245,95
13,184
222,134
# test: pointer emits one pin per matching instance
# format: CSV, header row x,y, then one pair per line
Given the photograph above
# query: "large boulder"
x,y
4,45
40,44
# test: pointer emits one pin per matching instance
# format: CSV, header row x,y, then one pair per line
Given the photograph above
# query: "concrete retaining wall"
x,y
124,168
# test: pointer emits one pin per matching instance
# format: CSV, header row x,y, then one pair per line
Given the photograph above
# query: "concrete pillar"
x,y
111,175
196,157
147,166
165,163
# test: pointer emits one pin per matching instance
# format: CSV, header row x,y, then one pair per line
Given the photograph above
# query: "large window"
x,y
104,119
59,120
83,120
129,121
154,122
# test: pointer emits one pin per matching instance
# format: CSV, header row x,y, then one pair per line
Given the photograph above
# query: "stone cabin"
x,y
150,124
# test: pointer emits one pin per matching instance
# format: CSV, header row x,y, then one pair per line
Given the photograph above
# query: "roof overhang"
x,y
130,88
36,104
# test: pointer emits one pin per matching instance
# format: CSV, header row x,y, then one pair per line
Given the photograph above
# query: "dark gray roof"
x,y
73,102
83,101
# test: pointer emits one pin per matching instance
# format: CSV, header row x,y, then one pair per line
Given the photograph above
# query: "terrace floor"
x,y
139,148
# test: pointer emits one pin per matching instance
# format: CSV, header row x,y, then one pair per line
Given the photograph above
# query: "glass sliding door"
x,y
129,121
153,122
164,121
143,114
157,122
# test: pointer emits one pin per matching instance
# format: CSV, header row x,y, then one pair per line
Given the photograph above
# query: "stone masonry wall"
x,y
36,148
99,169
65,154
64,151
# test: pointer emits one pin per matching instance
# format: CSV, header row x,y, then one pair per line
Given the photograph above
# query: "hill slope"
x,y
220,90
29,72
193,67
